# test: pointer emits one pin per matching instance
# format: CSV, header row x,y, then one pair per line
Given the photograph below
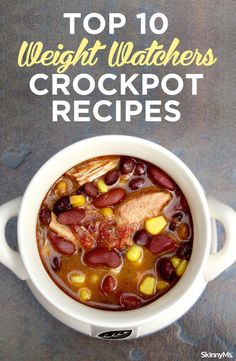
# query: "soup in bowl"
x,y
115,232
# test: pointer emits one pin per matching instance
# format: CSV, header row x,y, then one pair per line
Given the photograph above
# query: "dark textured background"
x,y
204,139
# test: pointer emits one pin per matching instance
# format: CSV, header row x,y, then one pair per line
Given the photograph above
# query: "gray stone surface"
x,y
204,139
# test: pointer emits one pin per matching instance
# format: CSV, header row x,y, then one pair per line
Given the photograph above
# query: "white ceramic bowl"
x,y
202,267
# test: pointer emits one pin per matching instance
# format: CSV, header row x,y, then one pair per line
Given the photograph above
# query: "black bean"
x,y
172,226
56,264
141,237
62,205
81,191
185,250
178,216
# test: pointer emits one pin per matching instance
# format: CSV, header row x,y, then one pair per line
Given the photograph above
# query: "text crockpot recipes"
x,y
110,84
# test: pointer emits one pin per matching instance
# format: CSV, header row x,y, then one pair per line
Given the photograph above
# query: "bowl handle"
x,y
221,260
10,258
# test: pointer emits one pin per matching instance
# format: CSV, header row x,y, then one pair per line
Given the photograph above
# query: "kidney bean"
x,y
136,183
161,243
109,284
140,168
111,177
45,216
184,203
130,301
72,216
101,256
61,245
141,237
181,202
127,165
160,178
62,204
185,250
56,264
111,198
166,269
91,190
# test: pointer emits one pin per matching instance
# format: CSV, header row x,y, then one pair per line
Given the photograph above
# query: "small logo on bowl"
x,y
115,335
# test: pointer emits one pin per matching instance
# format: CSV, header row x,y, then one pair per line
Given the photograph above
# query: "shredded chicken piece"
x,y
88,172
62,230
46,250
141,205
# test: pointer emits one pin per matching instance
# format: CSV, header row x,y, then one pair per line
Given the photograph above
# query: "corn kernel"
x,y
134,253
181,267
102,186
148,285
175,261
161,285
61,187
77,277
94,278
107,212
84,294
77,201
155,225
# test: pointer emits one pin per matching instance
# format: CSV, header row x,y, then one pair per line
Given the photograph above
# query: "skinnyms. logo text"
x,y
216,355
